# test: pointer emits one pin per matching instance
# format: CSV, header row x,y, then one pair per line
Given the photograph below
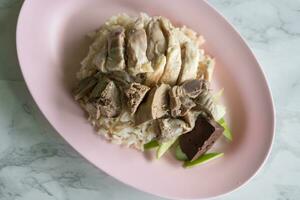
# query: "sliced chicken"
x,y
182,97
115,46
156,50
95,60
180,104
100,58
171,128
158,66
136,48
186,105
190,118
206,68
173,62
190,60
181,36
205,103
157,44
155,106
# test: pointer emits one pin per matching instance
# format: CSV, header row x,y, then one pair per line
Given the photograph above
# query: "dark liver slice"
x,y
201,138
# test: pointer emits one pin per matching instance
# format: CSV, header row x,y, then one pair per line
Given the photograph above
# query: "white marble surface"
x,y
35,163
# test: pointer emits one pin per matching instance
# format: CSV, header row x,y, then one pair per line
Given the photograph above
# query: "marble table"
x,y
36,163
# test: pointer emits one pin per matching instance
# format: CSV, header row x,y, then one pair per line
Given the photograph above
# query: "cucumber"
x,y
179,154
202,159
151,144
227,132
163,148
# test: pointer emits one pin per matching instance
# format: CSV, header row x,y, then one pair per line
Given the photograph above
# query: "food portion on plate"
x,y
145,83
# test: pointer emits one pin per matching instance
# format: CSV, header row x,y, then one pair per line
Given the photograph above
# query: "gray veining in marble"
x,y
36,163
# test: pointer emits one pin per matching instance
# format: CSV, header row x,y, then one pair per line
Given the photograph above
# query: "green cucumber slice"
x,y
179,154
202,159
163,147
227,132
151,144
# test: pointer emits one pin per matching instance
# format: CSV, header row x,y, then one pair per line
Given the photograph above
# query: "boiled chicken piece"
x,y
99,50
179,104
155,106
156,50
181,36
136,48
158,66
99,47
171,128
205,103
182,98
190,59
206,68
157,44
115,46
96,58
100,58
190,118
173,62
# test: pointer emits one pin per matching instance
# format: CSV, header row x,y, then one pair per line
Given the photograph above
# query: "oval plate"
x,y
51,43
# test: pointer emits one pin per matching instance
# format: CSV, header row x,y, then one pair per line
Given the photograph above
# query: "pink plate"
x,y
51,43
